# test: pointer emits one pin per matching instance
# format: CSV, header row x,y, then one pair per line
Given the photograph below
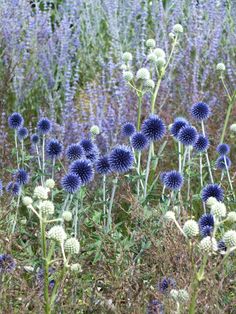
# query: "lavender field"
x,y
118,156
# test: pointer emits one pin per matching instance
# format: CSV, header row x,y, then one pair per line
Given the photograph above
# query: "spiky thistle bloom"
x,y
220,67
127,129
230,238
176,126
212,190
221,246
72,246
152,57
153,128
67,215
169,215
22,176
46,207
223,149
178,28
15,120
160,53
50,183
128,76
191,228
166,284
13,188
155,306
149,84
95,130
83,169
41,192
127,56
88,145
57,233
74,152
27,201
231,216
22,133
71,183
188,135
218,210
93,155
139,141
44,126
102,165
211,201
208,245
54,149
183,295
223,163
7,263
161,62
150,43
173,180
201,144
34,139
143,74
121,159
200,111
206,224
162,176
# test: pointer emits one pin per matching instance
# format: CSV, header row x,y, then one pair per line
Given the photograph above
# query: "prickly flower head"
x,y
208,245
177,28
50,183
230,238
57,233
233,127
151,43
183,295
27,201
72,246
76,268
191,228
143,74
220,67
47,207
41,192
211,201
169,215
218,210
95,130
127,56
128,76
160,53
231,216
67,215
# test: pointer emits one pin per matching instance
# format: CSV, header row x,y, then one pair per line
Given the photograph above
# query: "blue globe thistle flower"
x,y
13,188
206,224
153,128
34,139
177,125
93,155
103,166
74,152
200,111
139,141
40,277
201,144
22,176
166,284
223,149
213,190
221,246
121,159
188,135
162,177
54,148
83,169
128,129
22,133
71,183
44,126
155,306
88,146
7,263
222,162
173,180
15,120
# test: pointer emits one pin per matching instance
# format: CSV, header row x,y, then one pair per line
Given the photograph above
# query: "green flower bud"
x,y
230,238
41,192
127,56
72,246
47,207
169,215
231,216
27,201
177,28
67,215
208,245
151,43
160,53
94,130
220,67
128,75
161,61
233,127
218,210
50,183
152,57
190,228
57,233
149,84
143,74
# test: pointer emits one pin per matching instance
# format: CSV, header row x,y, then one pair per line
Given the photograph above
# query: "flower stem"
x,y
104,201
47,306
148,169
17,154
207,157
109,218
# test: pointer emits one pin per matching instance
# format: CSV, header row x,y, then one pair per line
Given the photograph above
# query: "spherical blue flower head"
x,y
121,159
206,224
44,126
1,188
153,128
54,148
128,129
139,141
221,246
206,231
201,144
13,188
103,166
88,146
71,183
200,111
223,149
15,120
177,125
213,190
22,133
83,169
22,177
188,135
74,152
165,284
93,155
155,306
222,162
34,139
7,263
162,176
173,180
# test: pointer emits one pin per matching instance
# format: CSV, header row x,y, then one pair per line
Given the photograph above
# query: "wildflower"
x,y
34,139
155,306
57,233
128,76
173,180
200,111
121,159
71,183
160,53
76,268
149,84
152,57
211,201
74,152
72,246
88,146
103,166
47,207
220,67
188,135
206,224
83,169
50,183
177,28
44,126
22,133
67,215
233,127
150,43
95,130
223,163
201,144
7,263
143,74
153,128
127,56
230,238
127,129
54,148
22,177
41,192
165,284
212,190
208,245
183,295
13,188
218,210
15,120
231,216
169,215
177,126
139,141
161,61
221,246
190,228
27,201
223,149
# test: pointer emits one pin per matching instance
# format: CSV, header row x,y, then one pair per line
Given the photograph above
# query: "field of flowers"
x,y
118,167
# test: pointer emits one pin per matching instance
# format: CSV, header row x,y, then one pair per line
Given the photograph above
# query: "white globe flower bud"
x,y
67,215
160,53
95,130
127,56
76,268
50,183
208,245
211,201
161,61
218,210
231,216
169,215
183,295
233,127
41,192
27,201
47,207
172,35
191,228
123,67
143,74
177,28
128,75
57,233
230,238
149,84
151,43
72,246
174,294
152,57
220,67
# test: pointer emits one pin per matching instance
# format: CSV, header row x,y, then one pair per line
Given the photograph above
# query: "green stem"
x,y
109,218
43,156
155,94
148,169
104,201
17,154
140,98
47,306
